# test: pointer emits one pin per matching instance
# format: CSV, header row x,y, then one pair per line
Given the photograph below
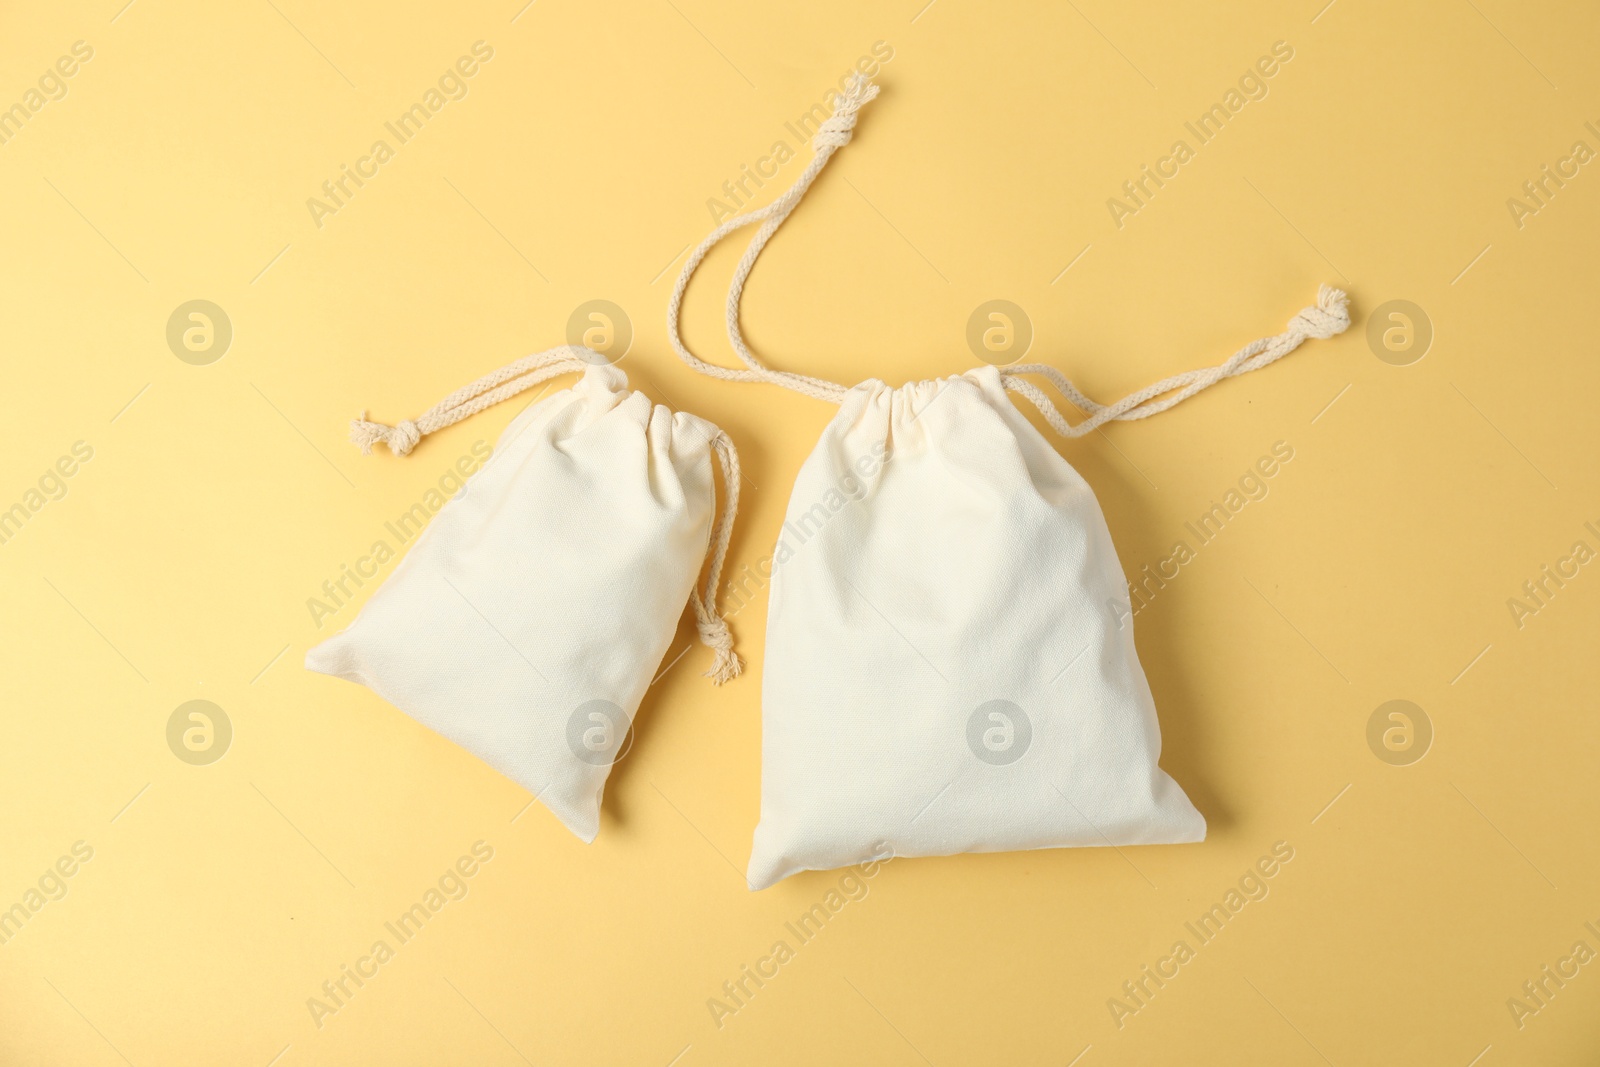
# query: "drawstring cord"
x,y
833,134
1330,316
713,628
487,391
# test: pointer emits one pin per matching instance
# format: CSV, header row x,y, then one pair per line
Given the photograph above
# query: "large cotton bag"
x,y
530,616
943,673
947,669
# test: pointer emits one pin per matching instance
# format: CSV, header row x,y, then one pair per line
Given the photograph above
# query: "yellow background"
x,y
220,497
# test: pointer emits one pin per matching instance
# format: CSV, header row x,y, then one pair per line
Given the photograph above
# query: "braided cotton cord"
x,y
487,391
1330,316
833,134
712,627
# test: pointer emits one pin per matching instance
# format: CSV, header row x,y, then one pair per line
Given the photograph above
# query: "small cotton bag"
x,y
532,613
945,669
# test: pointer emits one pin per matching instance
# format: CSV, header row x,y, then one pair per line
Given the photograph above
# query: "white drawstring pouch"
x,y
530,616
944,669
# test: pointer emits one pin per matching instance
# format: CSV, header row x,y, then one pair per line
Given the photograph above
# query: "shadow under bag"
x,y
943,672
530,616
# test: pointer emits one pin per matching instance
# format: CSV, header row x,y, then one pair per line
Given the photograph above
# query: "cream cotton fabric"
x,y
529,618
944,669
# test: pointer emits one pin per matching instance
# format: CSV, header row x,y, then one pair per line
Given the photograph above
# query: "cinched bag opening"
x,y
531,614
945,668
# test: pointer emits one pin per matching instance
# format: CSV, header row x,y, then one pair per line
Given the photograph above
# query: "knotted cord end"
x,y
401,439
835,131
1330,316
715,635
725,667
